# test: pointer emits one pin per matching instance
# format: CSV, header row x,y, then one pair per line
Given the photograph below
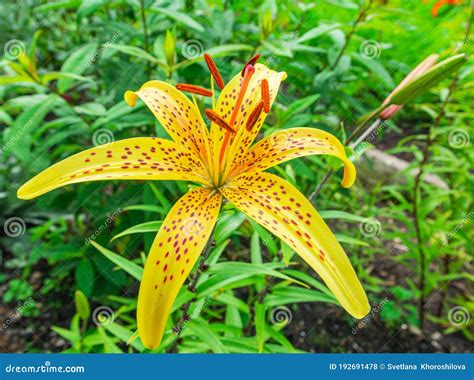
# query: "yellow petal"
x,y
225,105
181,239
143,158
177,114
284,211
291,143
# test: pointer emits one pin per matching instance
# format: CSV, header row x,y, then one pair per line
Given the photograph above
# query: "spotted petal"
x,y
282,209
177,114
225,105
180,241
142,158
291,143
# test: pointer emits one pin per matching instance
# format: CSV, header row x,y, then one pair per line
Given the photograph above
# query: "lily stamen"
x,y
214,71
194,89
249,70
255,115
265,96
216,118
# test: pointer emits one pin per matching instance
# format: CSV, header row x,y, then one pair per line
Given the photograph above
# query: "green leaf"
x,y
46,78
180,17
124,334
390,312
82,305
316,32
235,268
255,251
260,324
140,228
109,345
227,225
206,335
291,294
377,68
88,7
131,268
93,109
350,240
79,60
299,106
136,52
148,208
18,137
335,214
85,275
69,335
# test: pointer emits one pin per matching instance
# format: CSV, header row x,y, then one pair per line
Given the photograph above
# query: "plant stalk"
x,y
192,288
145,37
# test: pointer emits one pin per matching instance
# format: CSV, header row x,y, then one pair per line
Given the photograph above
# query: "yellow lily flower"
x,y
225,164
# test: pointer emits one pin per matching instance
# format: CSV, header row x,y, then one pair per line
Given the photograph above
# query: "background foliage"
x,y
71,259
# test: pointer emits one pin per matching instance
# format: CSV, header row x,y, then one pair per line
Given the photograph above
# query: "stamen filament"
x,y
265,96
194,89
254,116
214,71
249,70
216,118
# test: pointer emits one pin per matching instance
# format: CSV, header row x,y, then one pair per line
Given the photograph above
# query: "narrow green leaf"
x,y
140,228
79,60
131,268
82,305
260,324
237,268
180,17
206,335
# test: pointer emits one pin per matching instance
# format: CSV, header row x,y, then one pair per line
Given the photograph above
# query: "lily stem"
x,y
416,207
417,186
145,37
184,318
360,17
